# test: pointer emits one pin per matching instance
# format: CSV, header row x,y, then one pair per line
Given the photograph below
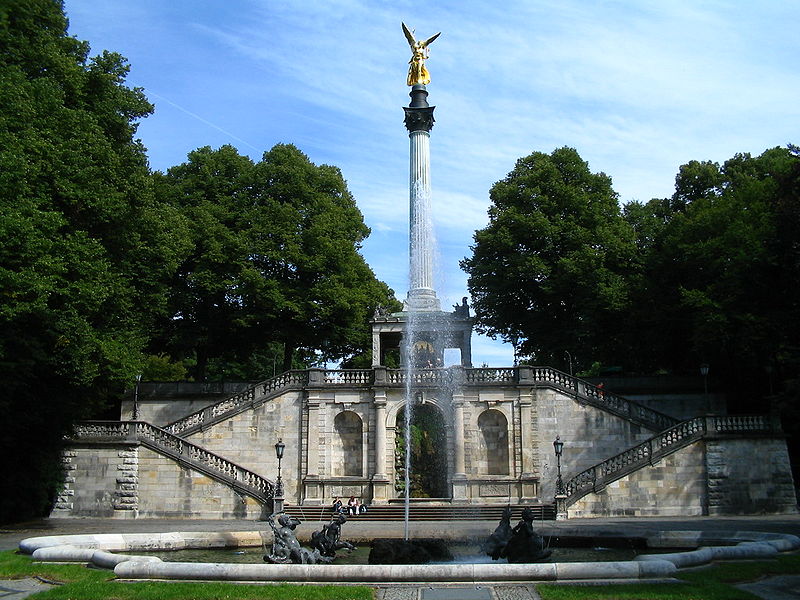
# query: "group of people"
x,y
353,506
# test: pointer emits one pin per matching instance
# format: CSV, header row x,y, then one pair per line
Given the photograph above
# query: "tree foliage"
x,y
709,275
552,268
722,269
83,246
275,260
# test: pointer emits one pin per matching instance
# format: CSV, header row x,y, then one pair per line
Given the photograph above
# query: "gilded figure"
x,y
417,73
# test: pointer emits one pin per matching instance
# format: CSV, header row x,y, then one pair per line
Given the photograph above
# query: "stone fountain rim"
x,y
101,550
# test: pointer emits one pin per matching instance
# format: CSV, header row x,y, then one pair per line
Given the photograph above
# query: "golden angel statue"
x,y
417,73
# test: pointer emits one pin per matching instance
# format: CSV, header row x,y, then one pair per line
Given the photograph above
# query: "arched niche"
x,y
347,452
493,427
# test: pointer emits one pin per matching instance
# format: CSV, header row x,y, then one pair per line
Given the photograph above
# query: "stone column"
x,y
419,121
312,488
527,448
460,475
380,480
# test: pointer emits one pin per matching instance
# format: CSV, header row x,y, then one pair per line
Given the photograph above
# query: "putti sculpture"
x,y
327,540
285,547
520,544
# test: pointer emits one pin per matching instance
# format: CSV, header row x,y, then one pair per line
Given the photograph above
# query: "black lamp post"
x,y
704,373
135,416
558,446
279,448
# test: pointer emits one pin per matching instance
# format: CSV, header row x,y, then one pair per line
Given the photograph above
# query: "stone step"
x,y
417,512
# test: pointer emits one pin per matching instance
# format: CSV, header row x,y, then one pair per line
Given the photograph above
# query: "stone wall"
x,y
167,490
749,476
249,438
163,411
101,481
331,432
129,481
675,486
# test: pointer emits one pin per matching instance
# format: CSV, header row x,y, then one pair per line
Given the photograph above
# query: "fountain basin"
x,y
100,550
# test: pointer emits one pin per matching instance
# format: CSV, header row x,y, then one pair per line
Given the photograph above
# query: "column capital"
x,y
419,119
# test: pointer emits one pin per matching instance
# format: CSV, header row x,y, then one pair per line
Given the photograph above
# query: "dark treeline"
x,y
220,267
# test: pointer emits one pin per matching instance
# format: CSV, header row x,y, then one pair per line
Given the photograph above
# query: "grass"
x,y
81,583
709,583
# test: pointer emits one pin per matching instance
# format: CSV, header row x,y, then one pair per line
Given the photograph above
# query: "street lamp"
x,y
279,448
558,446
136,399
704,373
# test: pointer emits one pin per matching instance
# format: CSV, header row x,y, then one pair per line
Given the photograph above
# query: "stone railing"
x,y
657,447
448,378
185,453
230,406
444,378
356,377
484,375
584,391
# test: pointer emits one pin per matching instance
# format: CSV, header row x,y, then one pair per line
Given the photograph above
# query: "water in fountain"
x,y
409,361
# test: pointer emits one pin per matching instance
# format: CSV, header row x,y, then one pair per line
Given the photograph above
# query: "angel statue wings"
x,y
417,73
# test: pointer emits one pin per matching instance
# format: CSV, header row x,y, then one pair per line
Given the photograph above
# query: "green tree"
x,y
725,266
553,266
276,261
84,250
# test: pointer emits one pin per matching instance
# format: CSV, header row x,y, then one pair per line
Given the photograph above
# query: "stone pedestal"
x,y
380,490
529,487
561,507
312,490
460,488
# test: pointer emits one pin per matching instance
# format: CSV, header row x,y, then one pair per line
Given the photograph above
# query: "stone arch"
x,y
493,426
429,465
348,450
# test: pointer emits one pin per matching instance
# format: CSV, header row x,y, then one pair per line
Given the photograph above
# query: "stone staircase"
x,y
426,512
186,454
651,451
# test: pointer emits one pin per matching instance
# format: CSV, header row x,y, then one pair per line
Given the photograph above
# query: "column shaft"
x,y
380,438
458,430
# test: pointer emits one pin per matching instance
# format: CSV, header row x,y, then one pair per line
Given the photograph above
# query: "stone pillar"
x,y
419,121
380,480
312,488
527,448
376,347
460,475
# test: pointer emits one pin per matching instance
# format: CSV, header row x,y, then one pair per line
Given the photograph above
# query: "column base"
x,y
380,489
460,488
421,300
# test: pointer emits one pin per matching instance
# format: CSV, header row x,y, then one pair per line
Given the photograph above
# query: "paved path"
x,y
774,588
17,589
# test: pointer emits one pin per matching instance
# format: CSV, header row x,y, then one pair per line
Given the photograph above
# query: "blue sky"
x,y
638,88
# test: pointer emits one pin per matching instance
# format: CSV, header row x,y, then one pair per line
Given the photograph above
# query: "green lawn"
x,y
81,583
709,583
